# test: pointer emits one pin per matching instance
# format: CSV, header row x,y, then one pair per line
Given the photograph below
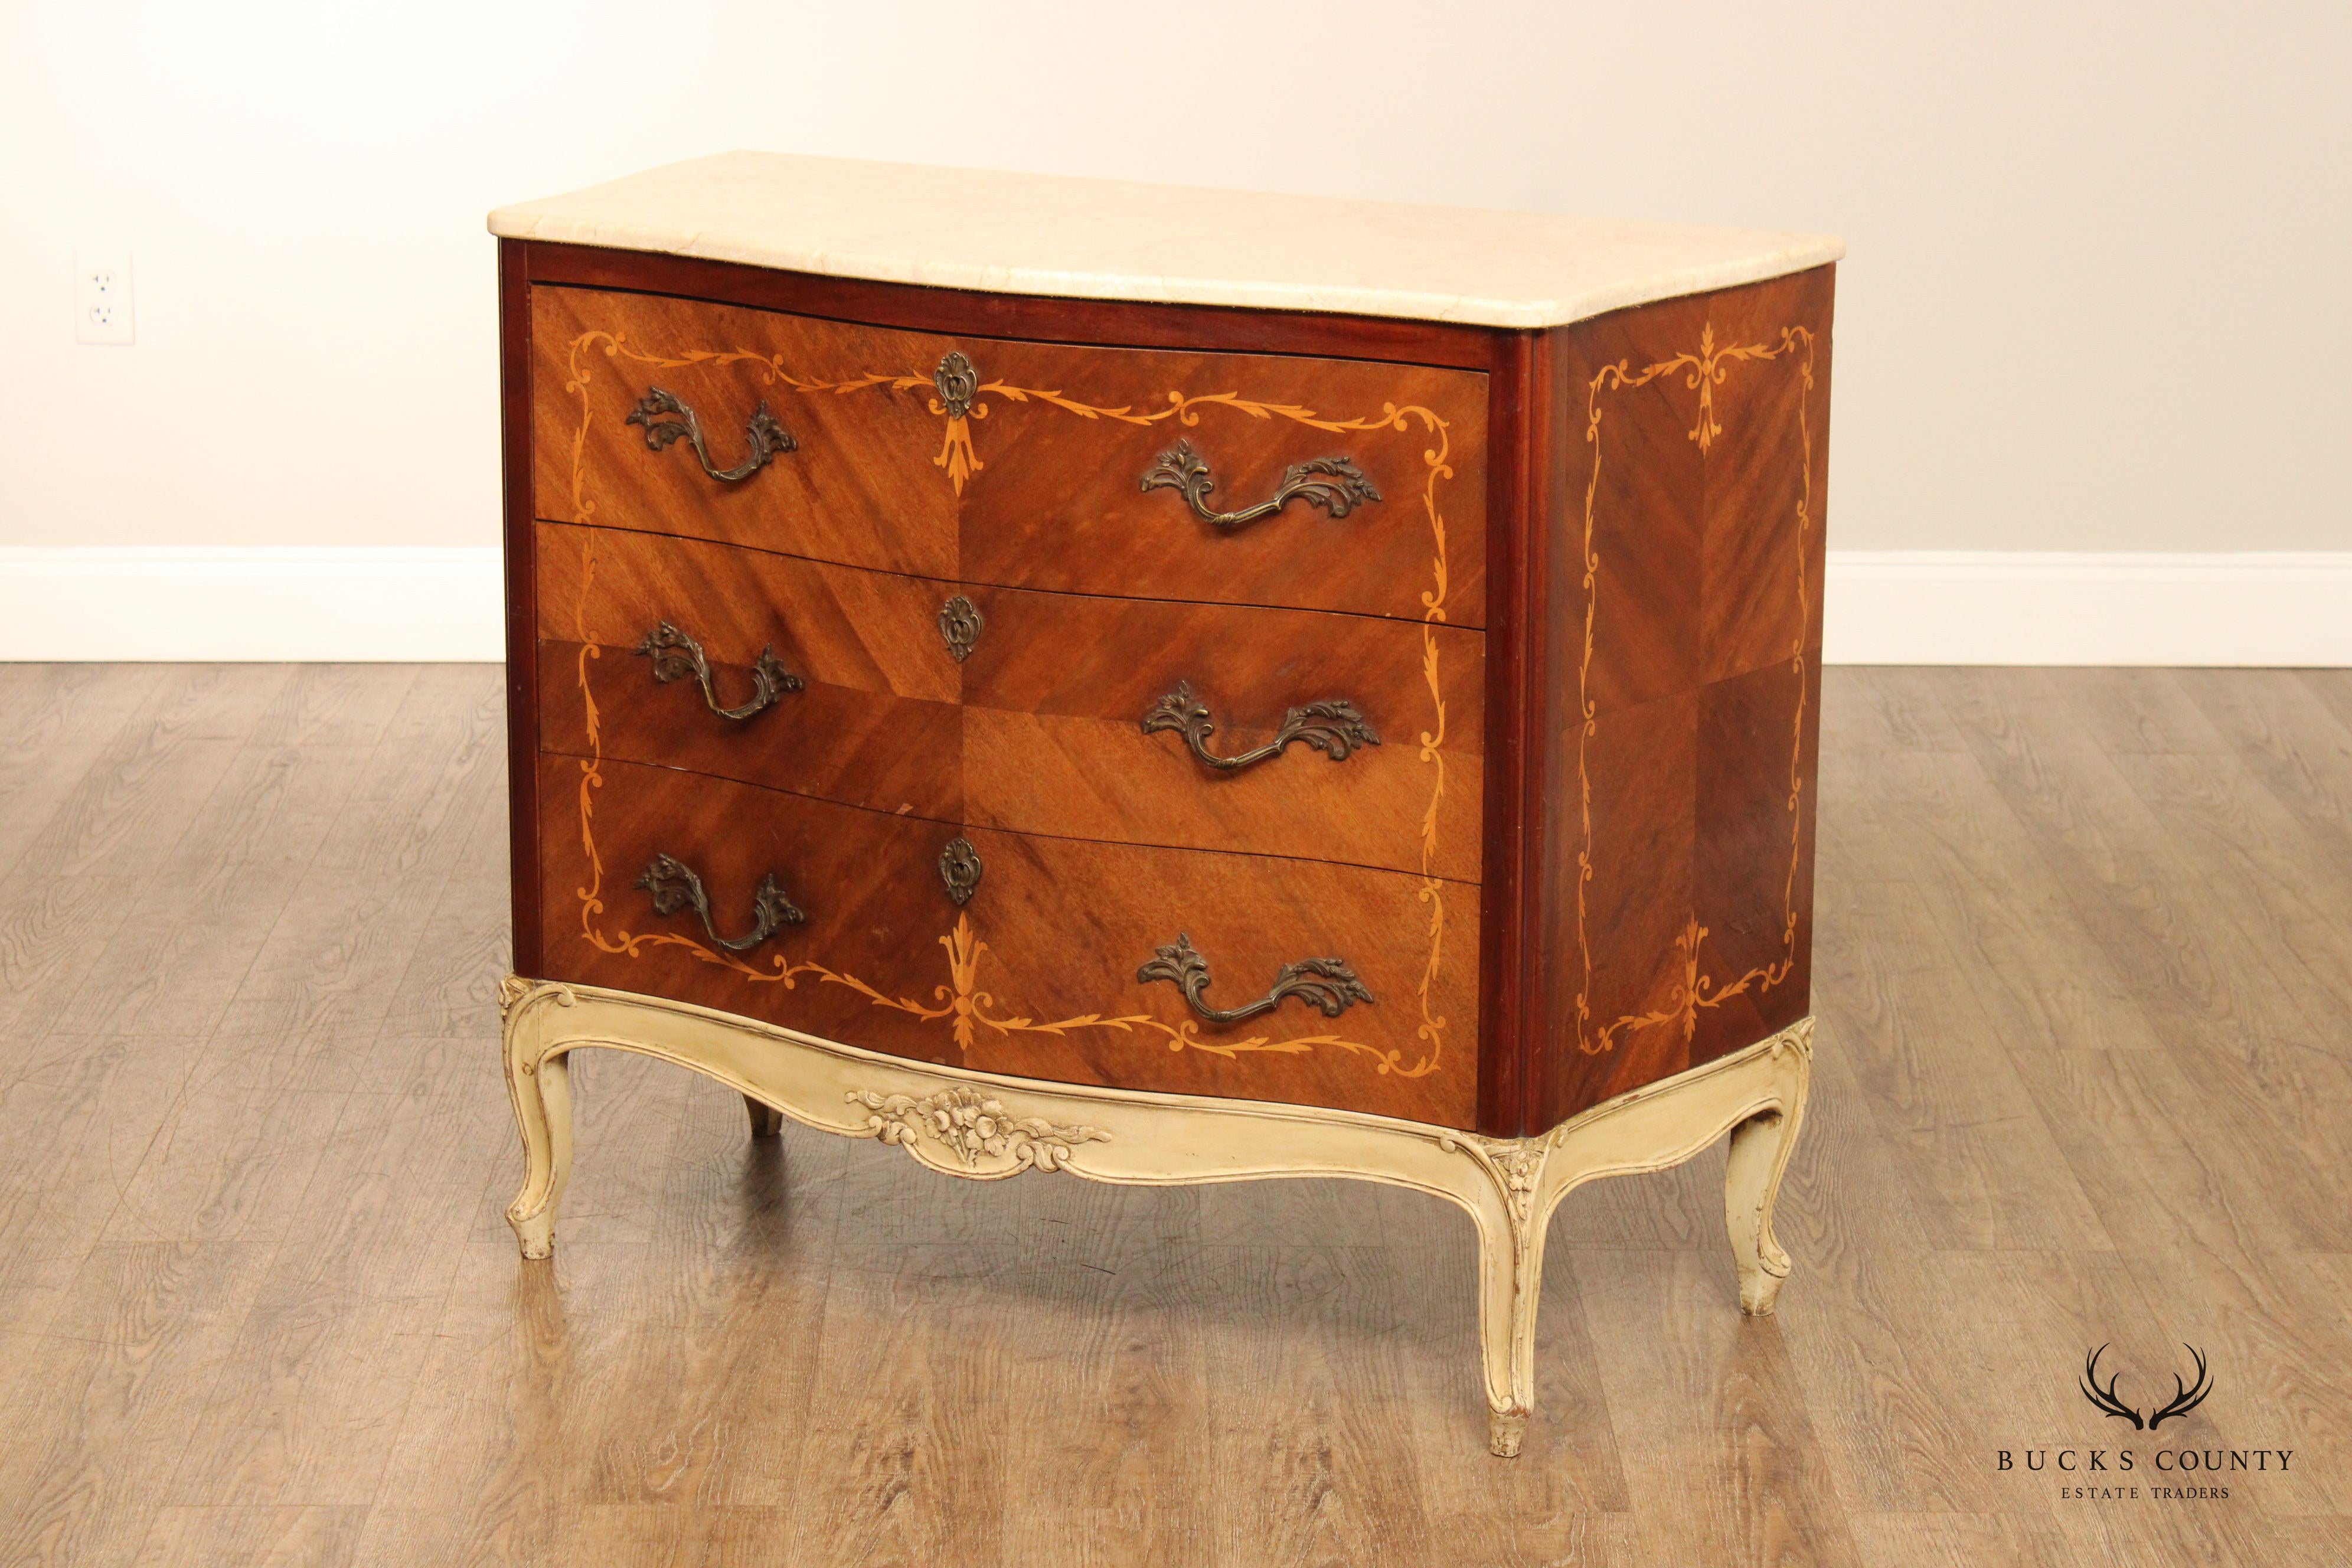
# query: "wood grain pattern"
x,y
268,1223
1248,916
1060,505
1524,420
1111,324
859,488
1038,731
1053,743
517,377
1038,486
1022,980
1681,684
866,881
875,723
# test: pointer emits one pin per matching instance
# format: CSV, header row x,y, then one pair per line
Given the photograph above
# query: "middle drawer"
x,y
1320,736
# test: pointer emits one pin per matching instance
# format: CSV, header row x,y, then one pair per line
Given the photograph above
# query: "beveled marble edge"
x,y
1108,239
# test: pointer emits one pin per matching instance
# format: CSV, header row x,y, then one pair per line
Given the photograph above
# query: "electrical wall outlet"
x,y
102,297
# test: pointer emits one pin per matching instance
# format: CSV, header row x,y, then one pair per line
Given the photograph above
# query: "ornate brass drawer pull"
x,y
1333,484
769,439
1335,728
676,655
675,887
1326,985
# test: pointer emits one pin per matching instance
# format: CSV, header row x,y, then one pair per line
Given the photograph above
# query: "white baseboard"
x,y
1967,606
330,604
333,603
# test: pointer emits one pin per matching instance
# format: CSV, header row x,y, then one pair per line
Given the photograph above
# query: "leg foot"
x,y
1751,1184
767,1122
1505,1431
541,1090
535,1232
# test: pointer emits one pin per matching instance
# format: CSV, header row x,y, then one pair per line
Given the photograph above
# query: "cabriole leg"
x,y
1510,1276
543,1102
1511,1269
1751,1184
767,1122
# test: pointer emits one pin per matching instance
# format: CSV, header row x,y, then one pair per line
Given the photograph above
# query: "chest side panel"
x,y
1681,684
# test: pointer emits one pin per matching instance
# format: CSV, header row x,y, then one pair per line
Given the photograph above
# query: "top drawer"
x,y
1242,478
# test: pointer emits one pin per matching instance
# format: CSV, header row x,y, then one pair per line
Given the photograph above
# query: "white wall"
x,y
2095,299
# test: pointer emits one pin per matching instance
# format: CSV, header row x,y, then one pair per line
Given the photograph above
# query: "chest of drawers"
x,y
1339,701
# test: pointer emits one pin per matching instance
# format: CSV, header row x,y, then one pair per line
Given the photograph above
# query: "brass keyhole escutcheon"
x,y
960,624
959,868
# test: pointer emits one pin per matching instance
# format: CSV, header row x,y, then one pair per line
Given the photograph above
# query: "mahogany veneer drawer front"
x,y
1316,736
1035,973
1019,463
1285,732
857,703
1343,701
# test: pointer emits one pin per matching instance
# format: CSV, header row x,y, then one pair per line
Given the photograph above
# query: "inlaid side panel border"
x,y
1682,490
1701,370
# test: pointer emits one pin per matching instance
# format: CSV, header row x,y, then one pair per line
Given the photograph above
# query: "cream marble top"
x,y
1108,239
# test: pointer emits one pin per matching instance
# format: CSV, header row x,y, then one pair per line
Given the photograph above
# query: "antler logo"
x,y
2184,1399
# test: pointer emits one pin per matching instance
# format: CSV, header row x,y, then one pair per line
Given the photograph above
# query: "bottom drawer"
x,y
1036,973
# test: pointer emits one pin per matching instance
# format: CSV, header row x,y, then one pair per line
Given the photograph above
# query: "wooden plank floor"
x,y
2084,1077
